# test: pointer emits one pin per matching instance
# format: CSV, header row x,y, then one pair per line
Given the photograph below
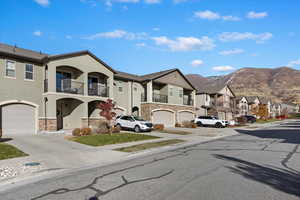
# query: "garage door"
x,y
163,117
18,119
185,116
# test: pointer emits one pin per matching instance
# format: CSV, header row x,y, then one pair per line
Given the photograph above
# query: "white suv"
x,y
134,123
210,121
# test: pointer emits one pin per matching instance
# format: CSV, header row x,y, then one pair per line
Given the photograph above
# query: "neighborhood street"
x,y
255,164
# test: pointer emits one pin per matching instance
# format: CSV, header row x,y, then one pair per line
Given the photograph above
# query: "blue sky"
x,y
208,37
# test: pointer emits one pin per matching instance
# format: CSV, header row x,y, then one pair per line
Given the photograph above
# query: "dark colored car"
x,y
250,118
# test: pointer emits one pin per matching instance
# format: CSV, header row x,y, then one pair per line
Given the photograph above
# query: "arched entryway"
x,y
163,116
69,113
18,117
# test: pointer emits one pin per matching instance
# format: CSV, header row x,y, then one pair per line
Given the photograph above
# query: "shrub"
x,y
188,124
102,128
178,125
116,130
76,132
86,131
158,127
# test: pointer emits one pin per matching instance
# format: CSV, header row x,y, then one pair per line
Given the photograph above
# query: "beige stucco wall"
x,y
202,100
175,79
20,89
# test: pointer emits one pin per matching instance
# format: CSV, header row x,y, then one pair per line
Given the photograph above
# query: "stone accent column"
x,y
85,115
110,84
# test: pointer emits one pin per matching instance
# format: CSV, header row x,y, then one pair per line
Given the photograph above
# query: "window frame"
x,y
26,79
15,63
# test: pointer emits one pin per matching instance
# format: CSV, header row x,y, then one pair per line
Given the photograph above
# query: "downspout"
x,y
46,121
131,96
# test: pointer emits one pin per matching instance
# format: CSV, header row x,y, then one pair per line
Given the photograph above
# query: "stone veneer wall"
x,y
51,125
147,108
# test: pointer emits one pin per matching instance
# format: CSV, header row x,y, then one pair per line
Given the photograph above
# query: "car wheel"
x,y
218,125
137,129
199,124
119,126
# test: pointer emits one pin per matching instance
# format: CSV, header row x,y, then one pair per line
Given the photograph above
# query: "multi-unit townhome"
x,y
242,106
54,92
268,103
253,102
217,100
275,110
287,108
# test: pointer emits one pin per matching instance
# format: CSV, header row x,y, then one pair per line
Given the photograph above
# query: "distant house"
x,y
268,103
242,106
216,100
253,104
288,108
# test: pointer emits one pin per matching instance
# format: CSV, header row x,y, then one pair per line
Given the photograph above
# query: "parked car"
x,y
250,118
133,123
210,121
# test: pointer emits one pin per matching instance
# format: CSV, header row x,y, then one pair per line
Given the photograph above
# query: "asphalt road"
x,y
256,164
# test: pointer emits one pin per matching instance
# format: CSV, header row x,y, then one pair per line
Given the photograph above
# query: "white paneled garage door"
x,y
185,116
163,117
18,119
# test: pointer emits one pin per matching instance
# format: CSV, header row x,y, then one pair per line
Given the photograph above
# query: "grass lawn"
x,y
7,151
115,138
176,132
260,121
148,145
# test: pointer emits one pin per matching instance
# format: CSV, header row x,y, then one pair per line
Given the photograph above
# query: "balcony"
x,y
160,98
70,86
143,98
98,90
188,102
46,85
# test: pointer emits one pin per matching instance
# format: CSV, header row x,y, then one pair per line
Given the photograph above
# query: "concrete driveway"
x,y
55,152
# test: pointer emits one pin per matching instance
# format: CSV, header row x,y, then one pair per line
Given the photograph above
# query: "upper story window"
x,y
29,72
180,93
10,70
171,91
120,89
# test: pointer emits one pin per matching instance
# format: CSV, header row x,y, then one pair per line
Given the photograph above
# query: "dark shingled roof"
x,y
17,52
147,77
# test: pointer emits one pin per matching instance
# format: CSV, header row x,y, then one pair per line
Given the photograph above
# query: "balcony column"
x,y
85,115
194,98
149,91
86,84
110,84
51,78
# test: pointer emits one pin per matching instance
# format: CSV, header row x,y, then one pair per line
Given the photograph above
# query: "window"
x,y
120,88
135,89
180,93
171,91
10,69
29,72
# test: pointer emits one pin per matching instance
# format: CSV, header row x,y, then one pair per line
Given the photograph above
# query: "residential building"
x,y
253,104
217,100
242,106
53,92
288,108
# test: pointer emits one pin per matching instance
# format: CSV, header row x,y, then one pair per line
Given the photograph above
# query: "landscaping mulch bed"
x,y
176,132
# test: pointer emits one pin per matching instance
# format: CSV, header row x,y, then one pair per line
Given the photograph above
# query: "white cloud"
x,y
231,52
223,68
236,36
185,43
207,14
210,15
118,34
69,37
156,29
152,1
294,63
43,2
231,18
141,44
37,33
196,63
256,15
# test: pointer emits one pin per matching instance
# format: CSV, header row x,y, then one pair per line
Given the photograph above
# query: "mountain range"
x,y
279,84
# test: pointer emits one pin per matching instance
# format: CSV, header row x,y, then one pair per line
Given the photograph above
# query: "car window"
x,y
209,117
138,119
201,117
124,117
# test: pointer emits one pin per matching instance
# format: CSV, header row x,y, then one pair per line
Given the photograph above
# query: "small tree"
x,y
107,112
